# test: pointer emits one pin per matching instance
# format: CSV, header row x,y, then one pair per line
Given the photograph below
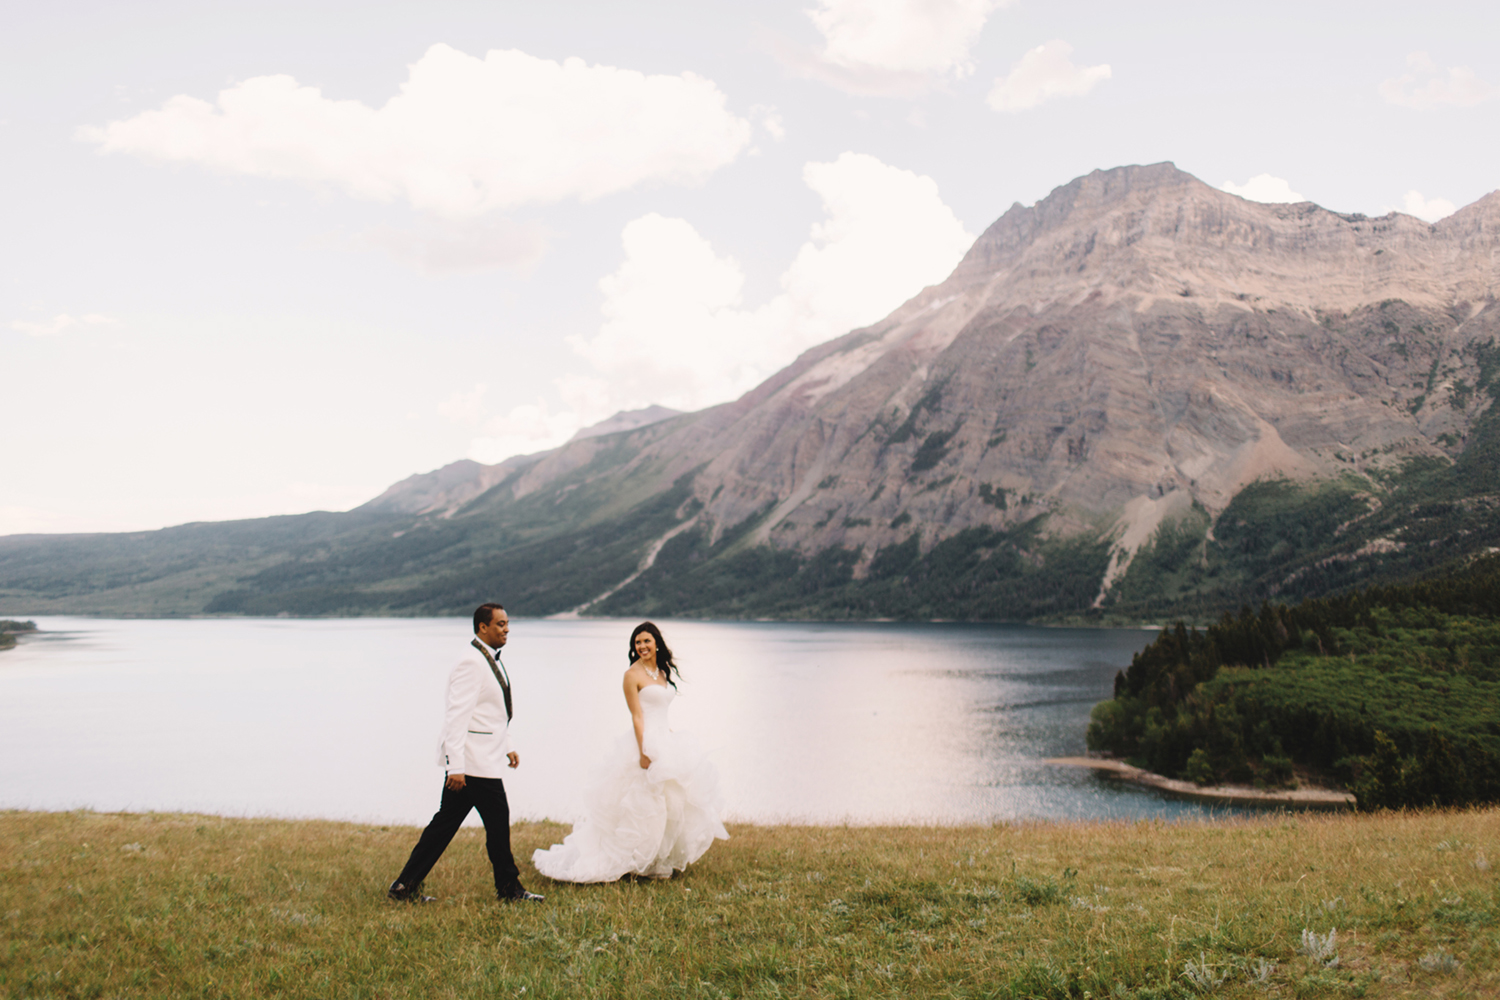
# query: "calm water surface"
x,y
864,723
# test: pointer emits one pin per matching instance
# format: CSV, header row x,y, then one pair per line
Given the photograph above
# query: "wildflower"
x,y
1201,975
1321,948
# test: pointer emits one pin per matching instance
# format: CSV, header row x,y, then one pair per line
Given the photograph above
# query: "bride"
x,y
654,807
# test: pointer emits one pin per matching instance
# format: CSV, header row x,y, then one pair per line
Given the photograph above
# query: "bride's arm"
x,y
633,699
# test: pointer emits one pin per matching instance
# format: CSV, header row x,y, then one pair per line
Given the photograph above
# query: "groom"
x,y
474,748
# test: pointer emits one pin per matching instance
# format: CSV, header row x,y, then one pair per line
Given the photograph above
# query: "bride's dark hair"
x,y
663,652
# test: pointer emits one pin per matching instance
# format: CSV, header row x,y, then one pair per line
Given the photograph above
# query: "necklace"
x,y
654,674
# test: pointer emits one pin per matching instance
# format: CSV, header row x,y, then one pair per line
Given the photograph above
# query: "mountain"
x,y
1140,396
445,491
626,420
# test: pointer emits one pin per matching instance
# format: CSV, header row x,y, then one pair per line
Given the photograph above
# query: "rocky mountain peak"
x,y
1079,199
1135,347
1156,230
1475,221
627,420
442,491
445,491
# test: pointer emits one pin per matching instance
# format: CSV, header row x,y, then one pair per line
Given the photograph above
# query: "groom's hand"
x,y
456,782
515,759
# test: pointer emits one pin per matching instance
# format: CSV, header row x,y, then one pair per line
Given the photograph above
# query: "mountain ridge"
x,y
1120,362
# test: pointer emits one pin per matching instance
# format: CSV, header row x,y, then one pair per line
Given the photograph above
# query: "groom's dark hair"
x,y
484,613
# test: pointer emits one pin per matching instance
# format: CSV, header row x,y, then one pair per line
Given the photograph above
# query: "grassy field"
x,y
105,905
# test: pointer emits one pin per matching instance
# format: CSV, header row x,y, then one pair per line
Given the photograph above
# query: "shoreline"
x,y
1314,799
1124,626
11,628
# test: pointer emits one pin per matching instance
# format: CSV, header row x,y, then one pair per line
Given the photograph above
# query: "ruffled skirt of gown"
x,y
648,822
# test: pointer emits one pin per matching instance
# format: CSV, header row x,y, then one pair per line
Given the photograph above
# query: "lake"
x,y
339,719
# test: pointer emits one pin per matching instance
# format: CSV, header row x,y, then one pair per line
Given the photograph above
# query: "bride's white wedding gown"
x,y
650,821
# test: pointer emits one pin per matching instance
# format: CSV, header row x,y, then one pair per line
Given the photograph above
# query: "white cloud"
x,y
1430,209
1425,86
677,331
1042,74
768,118
58,324
904,36
1264,187
528,428
464,135
674,331
461,246
895,46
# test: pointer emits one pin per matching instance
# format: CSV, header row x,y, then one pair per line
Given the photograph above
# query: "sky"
x,y
268,258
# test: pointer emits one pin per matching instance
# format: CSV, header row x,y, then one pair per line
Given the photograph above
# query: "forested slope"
x,y
1393,691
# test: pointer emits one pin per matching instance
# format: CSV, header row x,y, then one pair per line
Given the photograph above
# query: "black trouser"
x,y
488,796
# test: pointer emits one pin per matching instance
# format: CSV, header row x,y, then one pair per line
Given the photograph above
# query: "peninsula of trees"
x,y
1393,692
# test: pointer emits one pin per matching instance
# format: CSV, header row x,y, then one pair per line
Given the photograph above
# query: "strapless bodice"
x,y
656,701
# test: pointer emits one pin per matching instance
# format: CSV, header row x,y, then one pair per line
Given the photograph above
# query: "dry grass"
x,y
97,905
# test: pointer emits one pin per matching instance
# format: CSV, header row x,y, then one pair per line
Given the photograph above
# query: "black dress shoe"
x,y
401,894
521,895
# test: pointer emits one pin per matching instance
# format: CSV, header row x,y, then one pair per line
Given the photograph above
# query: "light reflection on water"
x,y
825,723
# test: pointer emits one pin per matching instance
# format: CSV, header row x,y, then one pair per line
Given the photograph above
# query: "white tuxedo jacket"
x,y
476,734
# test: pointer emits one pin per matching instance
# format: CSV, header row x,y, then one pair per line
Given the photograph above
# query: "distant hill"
x,y
1140,398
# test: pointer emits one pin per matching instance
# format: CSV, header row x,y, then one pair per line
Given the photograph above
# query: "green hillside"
x,y
562,546
545,553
